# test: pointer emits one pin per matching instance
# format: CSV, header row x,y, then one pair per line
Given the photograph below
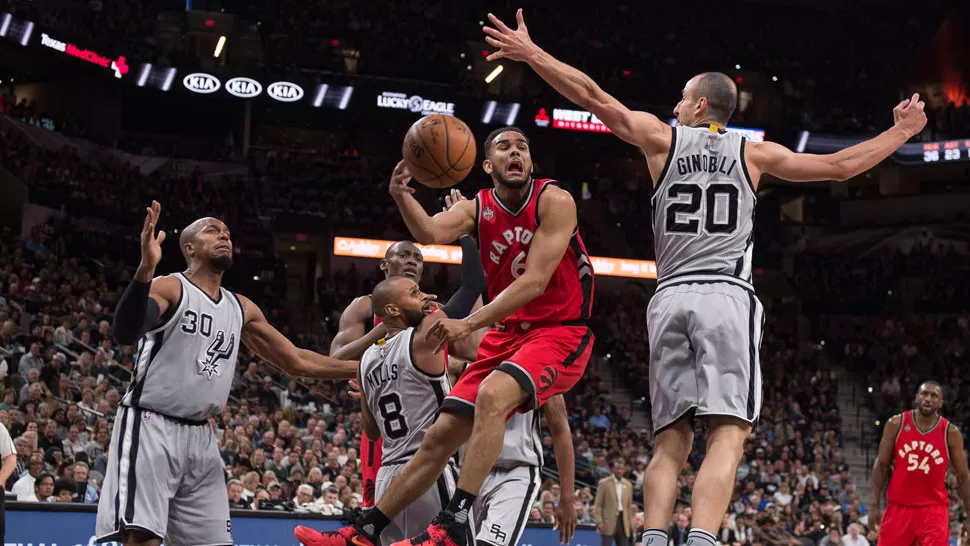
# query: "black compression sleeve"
x,y
472,281
136,313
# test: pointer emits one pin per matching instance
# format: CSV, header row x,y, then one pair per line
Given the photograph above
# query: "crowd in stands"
x,y
292,445
830,87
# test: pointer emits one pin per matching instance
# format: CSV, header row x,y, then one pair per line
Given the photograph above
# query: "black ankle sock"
x,y
460,504
373,523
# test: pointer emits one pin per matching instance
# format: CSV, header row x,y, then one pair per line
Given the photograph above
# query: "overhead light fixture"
x,y
494,74
219,45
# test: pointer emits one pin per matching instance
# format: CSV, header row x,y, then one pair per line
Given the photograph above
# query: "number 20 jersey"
x,y
403,399
504,239
919,464
703,206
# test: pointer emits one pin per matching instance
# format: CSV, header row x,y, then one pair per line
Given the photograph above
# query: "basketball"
x,y
439,151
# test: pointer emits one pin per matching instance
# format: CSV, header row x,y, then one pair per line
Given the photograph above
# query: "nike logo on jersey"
x,y
219,350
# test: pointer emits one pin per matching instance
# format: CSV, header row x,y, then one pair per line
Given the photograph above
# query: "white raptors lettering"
x,y
918,455
509,237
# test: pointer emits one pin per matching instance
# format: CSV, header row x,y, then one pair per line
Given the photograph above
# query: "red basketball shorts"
x,y
370,462
545,361
908,525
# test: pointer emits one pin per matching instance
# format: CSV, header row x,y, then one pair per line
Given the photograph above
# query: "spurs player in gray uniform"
x,y
164,478
704,320
404,379
501,510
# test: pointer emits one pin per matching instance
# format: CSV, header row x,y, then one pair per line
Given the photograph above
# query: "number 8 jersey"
x,y
920,464
403,399
703,206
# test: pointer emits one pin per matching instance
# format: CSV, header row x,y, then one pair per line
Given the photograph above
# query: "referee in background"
x,y
8,457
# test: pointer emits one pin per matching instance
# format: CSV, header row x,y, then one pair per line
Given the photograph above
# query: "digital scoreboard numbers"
x,y
948,150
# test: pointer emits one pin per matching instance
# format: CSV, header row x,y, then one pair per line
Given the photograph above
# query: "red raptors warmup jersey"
x,y
504,238
919,468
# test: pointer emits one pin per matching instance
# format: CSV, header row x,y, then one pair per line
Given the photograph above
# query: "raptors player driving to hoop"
x,y
540,283
916,448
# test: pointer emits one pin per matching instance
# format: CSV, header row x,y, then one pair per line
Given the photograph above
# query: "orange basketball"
x,y
439,151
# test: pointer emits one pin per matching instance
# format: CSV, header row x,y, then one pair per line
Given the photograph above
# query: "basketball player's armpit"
x,y
136,313
472,281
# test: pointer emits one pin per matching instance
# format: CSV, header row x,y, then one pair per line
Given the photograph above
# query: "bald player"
x,y
704,321
360,328
164,478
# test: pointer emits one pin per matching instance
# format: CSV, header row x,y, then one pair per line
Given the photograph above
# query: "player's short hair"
x,y
721,94
487,145
932,382
382,295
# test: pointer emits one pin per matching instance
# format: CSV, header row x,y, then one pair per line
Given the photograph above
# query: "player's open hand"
x,y
515,45
909,115
355,389
448,330
566,517
453,198
400,179
151,244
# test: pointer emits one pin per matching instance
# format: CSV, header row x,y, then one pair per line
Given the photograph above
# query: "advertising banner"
x,y
119,67
60,528
446,254
414,103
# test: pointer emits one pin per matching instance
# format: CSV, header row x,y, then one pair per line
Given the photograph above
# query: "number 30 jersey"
x,y
920,464
703,206
403,399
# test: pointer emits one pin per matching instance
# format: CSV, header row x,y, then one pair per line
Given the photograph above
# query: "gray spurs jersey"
x,y
185,367
523,442
703,206
403,399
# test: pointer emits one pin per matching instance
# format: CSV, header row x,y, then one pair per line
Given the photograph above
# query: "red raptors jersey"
x,y
504,237
371,454
919,468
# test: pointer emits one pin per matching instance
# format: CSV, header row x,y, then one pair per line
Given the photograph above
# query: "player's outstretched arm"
x,y
774,159
269,344
882,467
445,227
146,299
352,337
641,129
562,446
958,459
367,422
557,222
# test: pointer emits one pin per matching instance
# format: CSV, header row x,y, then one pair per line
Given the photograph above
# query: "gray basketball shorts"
x,y
502,508
415,519
164,478
705,337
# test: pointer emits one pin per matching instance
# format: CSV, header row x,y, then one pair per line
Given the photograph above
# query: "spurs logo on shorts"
x,y
218,350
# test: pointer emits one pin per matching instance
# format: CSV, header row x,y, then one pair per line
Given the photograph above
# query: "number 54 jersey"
x,y
920,464
703,206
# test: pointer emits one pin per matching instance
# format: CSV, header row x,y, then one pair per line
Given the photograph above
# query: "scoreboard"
x,y
934,152
912,153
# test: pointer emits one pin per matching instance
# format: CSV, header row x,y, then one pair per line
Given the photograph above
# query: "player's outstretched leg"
x,y
498,396
418,475
715,479
660,479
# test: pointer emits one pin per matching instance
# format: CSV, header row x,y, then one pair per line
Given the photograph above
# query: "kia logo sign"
x,y
201,83
285,91
243,87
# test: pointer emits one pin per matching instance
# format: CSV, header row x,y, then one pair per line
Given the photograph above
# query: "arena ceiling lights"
x,y
15,30
500,113
325,95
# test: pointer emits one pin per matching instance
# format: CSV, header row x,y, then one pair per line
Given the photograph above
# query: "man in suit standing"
x,y
613,508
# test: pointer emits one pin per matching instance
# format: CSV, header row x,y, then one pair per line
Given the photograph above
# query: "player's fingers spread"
x,y
498,23
494,42
520,19
161,237
492,32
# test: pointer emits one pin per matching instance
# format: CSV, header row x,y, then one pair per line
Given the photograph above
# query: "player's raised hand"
x,y
453,198
909,116
151,244
515,45
448,330
400,179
